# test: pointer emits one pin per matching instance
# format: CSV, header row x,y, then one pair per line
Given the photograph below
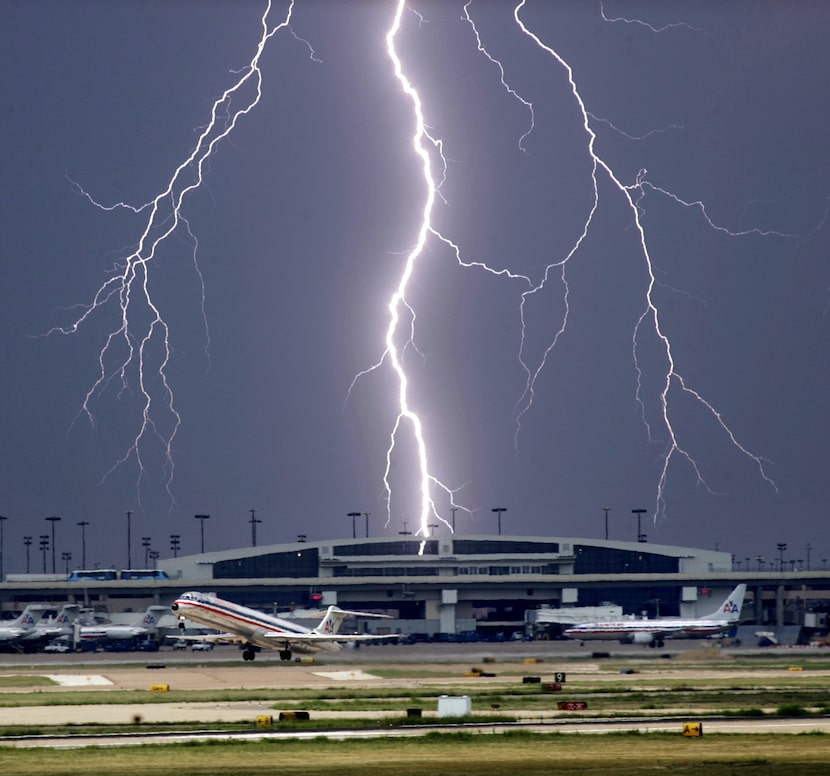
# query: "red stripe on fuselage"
x,y
223,613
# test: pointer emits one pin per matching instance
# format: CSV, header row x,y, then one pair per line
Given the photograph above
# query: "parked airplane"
x,y
254,629
37,625
147,624
653,632
30,616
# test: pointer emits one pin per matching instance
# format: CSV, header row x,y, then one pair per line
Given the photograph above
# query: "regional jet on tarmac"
x,y
145,625
254,629
26,622
653,632
37,625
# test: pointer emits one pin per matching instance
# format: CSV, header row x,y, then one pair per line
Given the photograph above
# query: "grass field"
x,y
697,686
526,754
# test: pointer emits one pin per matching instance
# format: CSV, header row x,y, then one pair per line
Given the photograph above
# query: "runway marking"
x,y
346,675
79,680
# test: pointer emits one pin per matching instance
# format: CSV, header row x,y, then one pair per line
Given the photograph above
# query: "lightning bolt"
x,y
640,22
398,306
632,195
672,377
138,348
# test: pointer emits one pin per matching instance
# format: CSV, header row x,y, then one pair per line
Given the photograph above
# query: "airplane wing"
x,y
216,638
665,633
310,638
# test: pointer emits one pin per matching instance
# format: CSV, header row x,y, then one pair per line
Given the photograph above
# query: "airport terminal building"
x,y
451,585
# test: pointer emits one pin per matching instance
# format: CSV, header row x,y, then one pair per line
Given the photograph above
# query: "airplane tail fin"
x,y
68,614
152,615
334,617
331,622
26,618
730,609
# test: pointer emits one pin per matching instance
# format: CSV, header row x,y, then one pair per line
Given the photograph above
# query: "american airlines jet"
x,y
39,623
145,625
653,632
241,625
26,622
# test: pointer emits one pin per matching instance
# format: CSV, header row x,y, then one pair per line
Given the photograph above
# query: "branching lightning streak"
x,y
646,24
512,92
129,286
632,195
651,311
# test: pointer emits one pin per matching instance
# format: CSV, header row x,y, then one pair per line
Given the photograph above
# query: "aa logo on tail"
x,y
730,607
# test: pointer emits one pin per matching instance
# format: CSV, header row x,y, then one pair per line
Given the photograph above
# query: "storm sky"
x,y
674,194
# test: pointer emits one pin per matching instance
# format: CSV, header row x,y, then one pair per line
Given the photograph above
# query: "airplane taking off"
x,y
653,632
254,629
146,625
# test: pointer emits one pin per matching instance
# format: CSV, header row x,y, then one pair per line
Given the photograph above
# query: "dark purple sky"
x,y
306,215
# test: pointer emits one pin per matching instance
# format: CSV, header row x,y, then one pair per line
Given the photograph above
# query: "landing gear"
x,y
248,653
285,654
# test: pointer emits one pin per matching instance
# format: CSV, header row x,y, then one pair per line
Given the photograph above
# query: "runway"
x,y
217,670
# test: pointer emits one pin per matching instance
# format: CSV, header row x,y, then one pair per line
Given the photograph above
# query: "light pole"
x,y
44,545
641,537
253,521
83,524
498,511
53,519
354,516
175,542
66,557
781,547
202,519
453,510
366,515
808,548
129,540
27,541
606,510
145,543
2,521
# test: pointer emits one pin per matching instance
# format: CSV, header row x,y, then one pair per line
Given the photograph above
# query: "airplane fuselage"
x,y
653,632
112,632
663,629
256,628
